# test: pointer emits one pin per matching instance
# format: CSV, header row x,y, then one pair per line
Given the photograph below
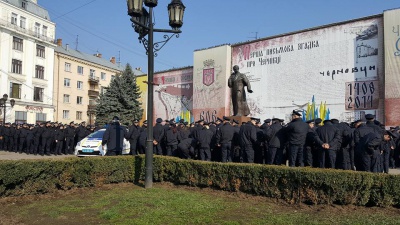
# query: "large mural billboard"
x,y
339,67
211,92
392,67
173,94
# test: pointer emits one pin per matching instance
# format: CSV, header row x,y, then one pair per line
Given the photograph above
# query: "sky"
x,y
103,26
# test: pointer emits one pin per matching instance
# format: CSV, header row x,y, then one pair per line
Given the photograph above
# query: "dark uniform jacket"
x,y
297,132
225,133
275,135
114,137
205,137
158,132
248,134
329,134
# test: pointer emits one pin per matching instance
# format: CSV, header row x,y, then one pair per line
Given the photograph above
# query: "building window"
x,y
37,29
79,84
65,114
15,90
103,76
67,82
44,31
66,98
40,51
16,66
39,72
40,117
68,67
38,94
20,117
14,18
79,115
18,44
22,22
80,70
92,73
79,100
23,4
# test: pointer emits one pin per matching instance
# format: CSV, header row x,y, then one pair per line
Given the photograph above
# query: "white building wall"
x,y
29,60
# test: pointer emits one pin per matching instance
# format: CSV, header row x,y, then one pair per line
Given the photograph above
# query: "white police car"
x,y
91,145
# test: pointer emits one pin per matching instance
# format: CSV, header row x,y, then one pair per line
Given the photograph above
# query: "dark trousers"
x,y
271,154
12,146
6,143
226,152
59,147
113,153
22,143
157,149
69,145
46,146
36,146
29,145
171,150
295,155
344,162
205,153
248,153
371,161
133,147
308,156
330,155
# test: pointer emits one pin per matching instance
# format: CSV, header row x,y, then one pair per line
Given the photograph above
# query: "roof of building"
x,y
92,58
31,7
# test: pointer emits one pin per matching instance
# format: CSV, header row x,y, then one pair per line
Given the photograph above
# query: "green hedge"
x,y
295,185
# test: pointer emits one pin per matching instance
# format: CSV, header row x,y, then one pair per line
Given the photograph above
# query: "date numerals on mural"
x,y
361,95
209,116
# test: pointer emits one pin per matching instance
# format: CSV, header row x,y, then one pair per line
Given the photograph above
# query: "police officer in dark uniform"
x,y
224,138
13,138
204,139
70,138
29,139
23,133
171,140
327,140
81,132
142,138
158,137
310,144
275,138
114,137
60,140
248,139
133,136
47,139
297,131
6,136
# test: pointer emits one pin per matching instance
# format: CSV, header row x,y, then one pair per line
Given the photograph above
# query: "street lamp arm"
x,y
157,46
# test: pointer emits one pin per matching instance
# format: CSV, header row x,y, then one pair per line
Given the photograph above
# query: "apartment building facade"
x,y
26,61
79,78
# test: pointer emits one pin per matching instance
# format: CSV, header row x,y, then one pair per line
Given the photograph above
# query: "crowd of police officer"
x,y
43,138
363,145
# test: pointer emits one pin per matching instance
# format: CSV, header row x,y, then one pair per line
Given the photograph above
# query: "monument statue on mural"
x,y
237,81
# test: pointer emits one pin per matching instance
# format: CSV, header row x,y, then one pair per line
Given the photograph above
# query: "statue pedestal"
x,y
240,119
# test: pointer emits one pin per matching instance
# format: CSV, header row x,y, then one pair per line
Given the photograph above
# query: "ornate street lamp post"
x,y
142,22
3,102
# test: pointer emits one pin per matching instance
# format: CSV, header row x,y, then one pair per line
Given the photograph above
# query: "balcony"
x,y
93,93
8,24
94,79
91,107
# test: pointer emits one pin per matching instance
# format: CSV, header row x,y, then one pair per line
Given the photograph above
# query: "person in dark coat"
x,y
296,131
60,140
275,138
327,139
186,148
236,151
224,138
171,140
13,138
142,138
310,144
114,138
47,140
6,136
387,146
158,137
248,139
69,138
204,142
23,133
29,139
133,137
